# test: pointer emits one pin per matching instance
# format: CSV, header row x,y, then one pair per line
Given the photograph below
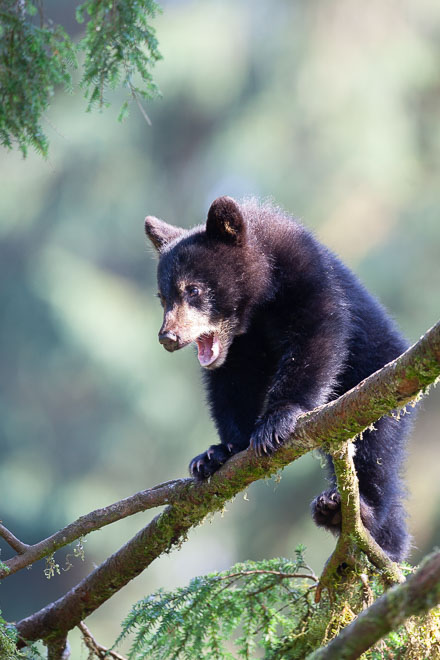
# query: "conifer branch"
x,y
395,385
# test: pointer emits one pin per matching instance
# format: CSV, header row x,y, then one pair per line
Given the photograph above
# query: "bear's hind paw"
x,y
326,510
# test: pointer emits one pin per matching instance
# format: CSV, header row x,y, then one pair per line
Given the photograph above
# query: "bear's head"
x,y
206,281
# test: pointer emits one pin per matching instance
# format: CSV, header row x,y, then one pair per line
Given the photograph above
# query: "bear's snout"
x,y
169,340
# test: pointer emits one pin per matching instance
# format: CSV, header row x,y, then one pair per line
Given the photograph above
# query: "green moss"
x,y
417,639
4,570
8,637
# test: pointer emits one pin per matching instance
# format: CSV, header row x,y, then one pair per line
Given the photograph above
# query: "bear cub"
x,y
281,326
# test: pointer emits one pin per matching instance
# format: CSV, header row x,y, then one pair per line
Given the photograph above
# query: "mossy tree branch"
x,y
160,495
417,595
58,649
329,427
425,353
354,537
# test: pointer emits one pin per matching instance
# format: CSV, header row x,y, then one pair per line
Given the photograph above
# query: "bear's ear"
x,y
161,233
225,221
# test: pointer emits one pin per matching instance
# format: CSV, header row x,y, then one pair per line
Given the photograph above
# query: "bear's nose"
x,y
168,340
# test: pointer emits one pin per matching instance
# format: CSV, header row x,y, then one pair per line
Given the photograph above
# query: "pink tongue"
x,y
208,349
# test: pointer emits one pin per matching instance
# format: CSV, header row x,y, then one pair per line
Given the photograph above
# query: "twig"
x,y
97,649
417,595
13,541
392,387
267,572
139,104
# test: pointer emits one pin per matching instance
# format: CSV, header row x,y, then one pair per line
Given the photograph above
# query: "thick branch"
x,y
392,387
417,595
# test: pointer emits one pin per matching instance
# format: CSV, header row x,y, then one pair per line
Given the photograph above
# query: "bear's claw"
x,y
204,465
326,509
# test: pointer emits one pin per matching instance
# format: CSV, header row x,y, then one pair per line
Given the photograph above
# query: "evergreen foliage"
x,y
8,647
117,34
224,615
119,46
265,609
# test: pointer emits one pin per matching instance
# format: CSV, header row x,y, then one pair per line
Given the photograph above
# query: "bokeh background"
x,y
333,111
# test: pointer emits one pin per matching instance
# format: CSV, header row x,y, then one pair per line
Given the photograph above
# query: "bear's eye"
x,y
193,291
161,298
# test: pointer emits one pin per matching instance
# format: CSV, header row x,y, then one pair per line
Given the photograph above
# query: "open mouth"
x,y
208,347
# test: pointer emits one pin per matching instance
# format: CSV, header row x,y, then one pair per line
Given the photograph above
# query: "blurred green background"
x,y
331,109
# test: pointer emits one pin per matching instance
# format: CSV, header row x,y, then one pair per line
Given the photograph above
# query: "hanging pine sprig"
x,y
36,56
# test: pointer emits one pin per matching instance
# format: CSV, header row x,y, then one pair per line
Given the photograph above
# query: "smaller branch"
x,y
94,647
160,495
139,104
58,649
419,594
276,573
13,541
354,537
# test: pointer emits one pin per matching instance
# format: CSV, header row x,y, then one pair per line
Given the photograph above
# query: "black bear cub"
x,y
281,326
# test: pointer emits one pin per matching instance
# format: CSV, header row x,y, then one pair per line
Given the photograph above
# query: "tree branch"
x,y
392,387
354,537
13,541
95,648
160,495
58,649
417,595
406,383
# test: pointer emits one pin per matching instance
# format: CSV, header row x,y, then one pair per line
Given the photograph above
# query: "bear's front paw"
x,y
204,465
326,510
272,430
